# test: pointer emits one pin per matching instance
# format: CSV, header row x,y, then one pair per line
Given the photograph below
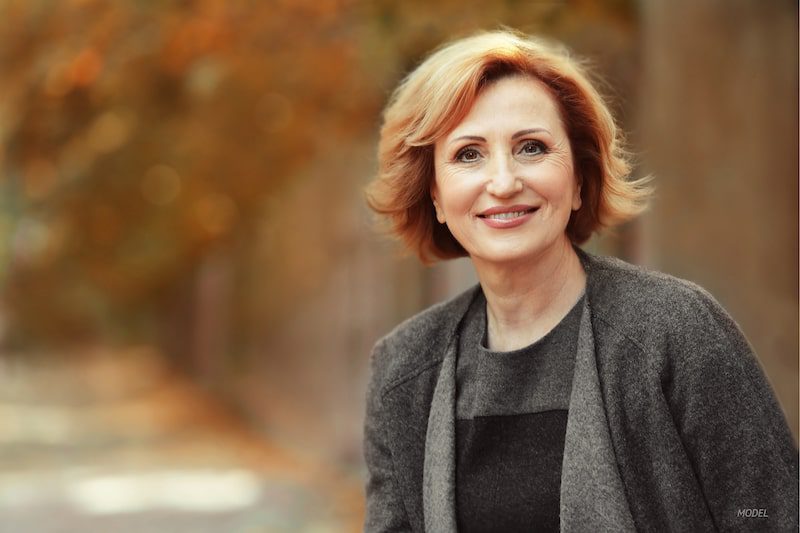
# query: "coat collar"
x,y
592,493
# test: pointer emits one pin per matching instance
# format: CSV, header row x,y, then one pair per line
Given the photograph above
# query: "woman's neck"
x,y
525,301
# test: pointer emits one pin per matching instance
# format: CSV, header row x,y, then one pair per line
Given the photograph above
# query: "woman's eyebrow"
x,y
513,137
529,131
468,138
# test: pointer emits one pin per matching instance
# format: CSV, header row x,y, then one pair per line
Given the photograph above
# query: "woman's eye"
x,y
468,155
533,148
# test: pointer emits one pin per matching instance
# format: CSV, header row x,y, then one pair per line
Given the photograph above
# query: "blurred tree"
x,y
139,139
138,136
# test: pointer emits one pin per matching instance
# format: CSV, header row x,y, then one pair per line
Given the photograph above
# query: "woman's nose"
x,y
502,181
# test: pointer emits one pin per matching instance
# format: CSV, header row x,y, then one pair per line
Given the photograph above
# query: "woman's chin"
x,y
508,254
504,257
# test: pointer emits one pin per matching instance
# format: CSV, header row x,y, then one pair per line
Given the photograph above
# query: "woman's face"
x,y
504,183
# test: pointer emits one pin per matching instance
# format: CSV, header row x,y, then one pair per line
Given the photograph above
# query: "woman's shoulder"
x,y
641,300
612,275
419,342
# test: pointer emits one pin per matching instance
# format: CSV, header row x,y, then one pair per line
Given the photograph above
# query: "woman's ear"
x,y
576,197
436,206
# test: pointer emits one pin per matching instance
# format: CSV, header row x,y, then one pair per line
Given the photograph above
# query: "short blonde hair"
x,y
438,94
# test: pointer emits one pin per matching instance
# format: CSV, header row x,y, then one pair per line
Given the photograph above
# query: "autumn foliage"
x,y
136,138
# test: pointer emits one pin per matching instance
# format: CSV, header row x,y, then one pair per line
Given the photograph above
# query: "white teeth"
x,y
506,216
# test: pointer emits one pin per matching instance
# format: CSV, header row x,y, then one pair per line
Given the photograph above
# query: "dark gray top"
x,y
512,417
532,379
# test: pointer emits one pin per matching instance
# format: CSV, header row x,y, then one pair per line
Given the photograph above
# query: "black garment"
x,y
511,422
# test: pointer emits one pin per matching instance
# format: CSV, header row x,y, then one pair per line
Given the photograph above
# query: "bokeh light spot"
x,y
109,132
215,213
31,241
85,67
161,185
204,78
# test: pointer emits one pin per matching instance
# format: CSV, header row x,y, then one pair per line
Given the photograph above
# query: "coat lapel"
x,y
592,494
439,471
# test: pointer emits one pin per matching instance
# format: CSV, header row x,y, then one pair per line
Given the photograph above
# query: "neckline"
x,y
525,350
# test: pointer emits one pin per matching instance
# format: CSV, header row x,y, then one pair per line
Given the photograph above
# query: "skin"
x,y
512,149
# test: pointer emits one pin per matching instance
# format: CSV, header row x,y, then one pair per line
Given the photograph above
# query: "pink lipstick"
x,y
503,217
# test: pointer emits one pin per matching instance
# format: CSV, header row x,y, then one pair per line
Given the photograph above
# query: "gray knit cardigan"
x,y
672,425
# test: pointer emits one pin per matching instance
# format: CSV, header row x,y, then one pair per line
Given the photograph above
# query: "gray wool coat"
x,y
672,425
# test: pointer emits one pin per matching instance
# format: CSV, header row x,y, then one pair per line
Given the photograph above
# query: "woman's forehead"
x,y
511,103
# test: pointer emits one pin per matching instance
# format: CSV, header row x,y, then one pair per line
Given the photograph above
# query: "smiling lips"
x,y
507,216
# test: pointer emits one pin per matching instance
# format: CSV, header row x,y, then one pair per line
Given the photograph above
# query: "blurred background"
x,y
190,282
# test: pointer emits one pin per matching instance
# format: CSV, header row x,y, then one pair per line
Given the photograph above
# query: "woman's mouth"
x,y
501,218
507,215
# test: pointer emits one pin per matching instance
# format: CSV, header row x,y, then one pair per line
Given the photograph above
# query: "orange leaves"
x,y
84,69
191,39
155,132
79,71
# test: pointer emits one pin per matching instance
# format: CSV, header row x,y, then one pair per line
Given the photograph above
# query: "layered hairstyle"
x,y
434,98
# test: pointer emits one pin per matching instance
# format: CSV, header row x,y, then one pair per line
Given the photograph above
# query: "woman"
x,y
565,391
